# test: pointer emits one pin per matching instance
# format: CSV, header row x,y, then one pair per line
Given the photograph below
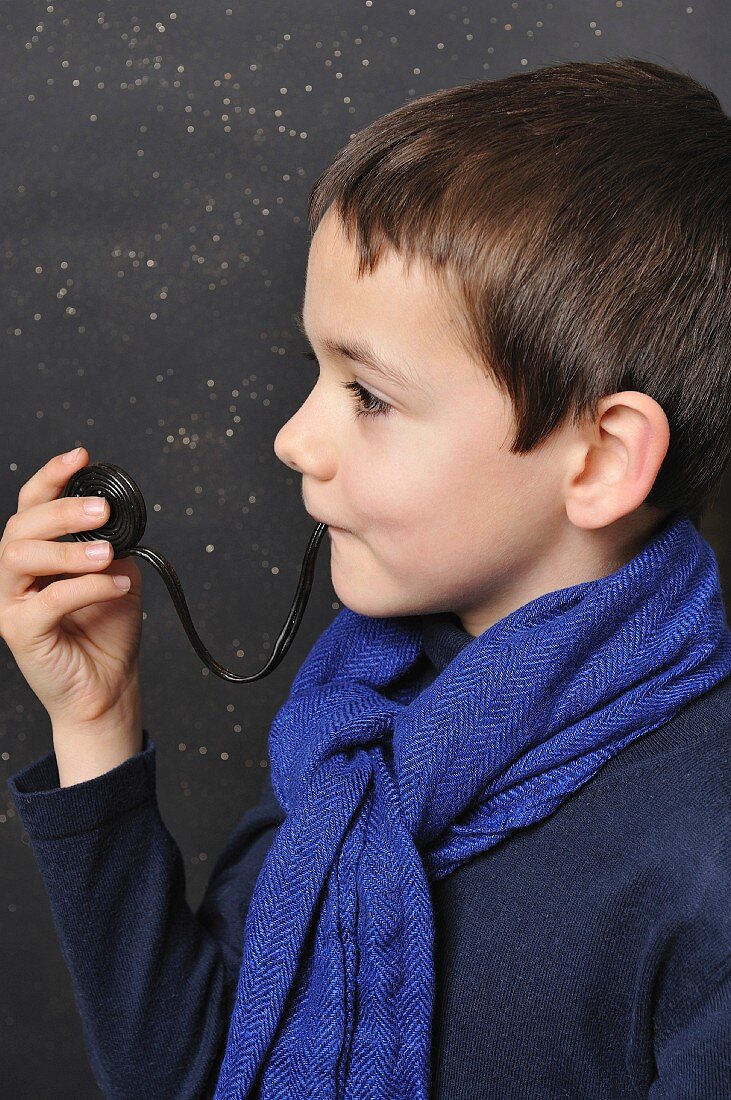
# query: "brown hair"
x,y
580,215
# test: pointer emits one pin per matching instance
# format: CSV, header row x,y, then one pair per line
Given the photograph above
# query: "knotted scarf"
x,y
335,991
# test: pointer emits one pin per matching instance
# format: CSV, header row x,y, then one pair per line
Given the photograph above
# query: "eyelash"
x,y
361,395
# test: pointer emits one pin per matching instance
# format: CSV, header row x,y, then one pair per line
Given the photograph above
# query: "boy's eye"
x,y
367,404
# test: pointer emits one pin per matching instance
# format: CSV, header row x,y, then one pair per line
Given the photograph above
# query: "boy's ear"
x,y
614,462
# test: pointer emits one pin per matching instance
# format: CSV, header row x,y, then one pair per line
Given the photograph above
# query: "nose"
x,y
282,448
302,444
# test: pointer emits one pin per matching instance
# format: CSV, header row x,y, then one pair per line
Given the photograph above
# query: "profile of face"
x,y
434,514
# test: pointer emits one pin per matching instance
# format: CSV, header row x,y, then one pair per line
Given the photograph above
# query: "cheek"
x,y
395,498
414,479
380,481
414,499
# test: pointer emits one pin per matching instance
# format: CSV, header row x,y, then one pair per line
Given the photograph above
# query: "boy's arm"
x,y
693,1049
154,986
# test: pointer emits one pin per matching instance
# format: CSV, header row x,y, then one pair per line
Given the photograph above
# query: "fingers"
x,y
48,482
27,542
23,561
44,613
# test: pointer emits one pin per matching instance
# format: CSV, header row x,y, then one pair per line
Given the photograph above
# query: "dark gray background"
x,y
155,175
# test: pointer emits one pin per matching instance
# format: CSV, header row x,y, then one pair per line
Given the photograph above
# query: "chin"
x,y
369,607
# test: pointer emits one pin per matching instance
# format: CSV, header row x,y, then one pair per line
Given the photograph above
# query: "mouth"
x,y
330,526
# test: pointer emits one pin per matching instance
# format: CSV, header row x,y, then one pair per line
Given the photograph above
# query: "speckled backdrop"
x,y
155,173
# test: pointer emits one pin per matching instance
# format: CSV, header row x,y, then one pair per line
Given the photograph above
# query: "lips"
x,y
318,519
333,525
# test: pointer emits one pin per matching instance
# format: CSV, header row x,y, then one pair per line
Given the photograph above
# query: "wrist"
x,y
87,750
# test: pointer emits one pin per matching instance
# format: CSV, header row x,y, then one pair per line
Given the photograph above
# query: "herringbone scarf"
x,y
335,990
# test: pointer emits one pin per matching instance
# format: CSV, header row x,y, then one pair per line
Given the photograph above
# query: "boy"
x,y
568,237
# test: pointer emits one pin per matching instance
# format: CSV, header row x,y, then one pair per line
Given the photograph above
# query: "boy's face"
x,y
439,515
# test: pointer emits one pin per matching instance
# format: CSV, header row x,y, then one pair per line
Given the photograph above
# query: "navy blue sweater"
x,y
586,956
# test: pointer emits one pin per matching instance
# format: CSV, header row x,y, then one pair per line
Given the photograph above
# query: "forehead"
x,y
333,257
403,310
397,372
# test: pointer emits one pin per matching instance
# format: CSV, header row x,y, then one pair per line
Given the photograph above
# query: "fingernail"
x,y
71,456
98,551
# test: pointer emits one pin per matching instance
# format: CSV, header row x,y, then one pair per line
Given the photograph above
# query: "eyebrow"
x,y
360,351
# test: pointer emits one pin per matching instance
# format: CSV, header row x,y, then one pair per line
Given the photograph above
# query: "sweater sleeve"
x,y
693,1040
154,983
693,1009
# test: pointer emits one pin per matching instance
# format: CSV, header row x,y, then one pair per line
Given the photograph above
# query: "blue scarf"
x,y
335,991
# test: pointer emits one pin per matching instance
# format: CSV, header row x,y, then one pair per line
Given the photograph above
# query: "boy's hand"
x,y
75,640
